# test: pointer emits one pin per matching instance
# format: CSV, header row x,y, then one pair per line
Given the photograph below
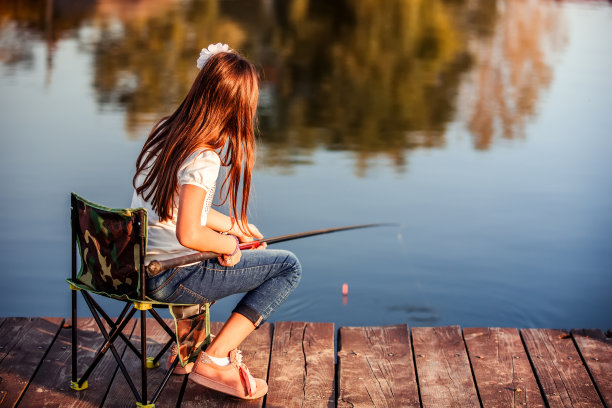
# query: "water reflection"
x,y
371,77
513,66
24,24
417,314
374,78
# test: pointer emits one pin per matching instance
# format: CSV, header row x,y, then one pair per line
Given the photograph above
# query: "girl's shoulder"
x,y
204,155
200,168
205,161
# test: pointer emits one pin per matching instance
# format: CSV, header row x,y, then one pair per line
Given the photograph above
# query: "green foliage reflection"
x,y
366,76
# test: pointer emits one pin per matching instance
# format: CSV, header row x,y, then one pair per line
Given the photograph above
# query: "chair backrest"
x,y
111,244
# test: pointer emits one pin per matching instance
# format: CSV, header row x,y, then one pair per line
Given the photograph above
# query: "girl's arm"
x,y
218,221
190,232
222,223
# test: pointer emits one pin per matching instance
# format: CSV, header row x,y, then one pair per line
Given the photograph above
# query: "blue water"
x,y
514,234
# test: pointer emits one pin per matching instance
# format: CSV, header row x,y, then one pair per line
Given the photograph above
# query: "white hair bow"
x,y
212,49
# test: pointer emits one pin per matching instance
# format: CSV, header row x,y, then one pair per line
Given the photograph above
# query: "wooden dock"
x,y
391,366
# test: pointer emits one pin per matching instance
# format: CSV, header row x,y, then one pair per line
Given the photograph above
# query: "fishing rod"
x,y
156,267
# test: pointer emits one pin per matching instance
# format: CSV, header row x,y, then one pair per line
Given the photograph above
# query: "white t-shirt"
x,y
199,169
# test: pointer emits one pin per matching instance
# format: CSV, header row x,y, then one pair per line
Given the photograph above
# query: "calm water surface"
x,y
482,129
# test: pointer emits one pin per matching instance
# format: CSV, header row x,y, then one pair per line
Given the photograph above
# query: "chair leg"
x,y
76,383
154,361
73,383
170,333
108,344
164,380
143,352
182,392
162,323
114,324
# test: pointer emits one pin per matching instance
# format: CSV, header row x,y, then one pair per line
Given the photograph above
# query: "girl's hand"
x,y
247,238
243,237
230,260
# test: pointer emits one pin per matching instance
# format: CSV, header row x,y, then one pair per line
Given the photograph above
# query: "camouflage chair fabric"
x,y
110,242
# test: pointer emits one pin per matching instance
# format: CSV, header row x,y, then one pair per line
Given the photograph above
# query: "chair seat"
x,y
155,303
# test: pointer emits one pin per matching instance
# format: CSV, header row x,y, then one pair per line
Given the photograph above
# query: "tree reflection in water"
x,y
370,77
513,66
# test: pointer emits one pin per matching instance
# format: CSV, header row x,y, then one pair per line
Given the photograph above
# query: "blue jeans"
x,y
267,276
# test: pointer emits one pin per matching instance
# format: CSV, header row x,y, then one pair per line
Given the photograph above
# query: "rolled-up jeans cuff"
x,y
249,313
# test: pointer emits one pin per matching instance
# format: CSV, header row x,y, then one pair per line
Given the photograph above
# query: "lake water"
x,y
482,128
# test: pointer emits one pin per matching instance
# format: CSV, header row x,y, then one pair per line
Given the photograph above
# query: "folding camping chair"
x,y
112,246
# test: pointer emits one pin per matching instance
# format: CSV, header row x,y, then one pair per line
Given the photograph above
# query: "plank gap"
x,y
416,371
595,350
472,369
532,364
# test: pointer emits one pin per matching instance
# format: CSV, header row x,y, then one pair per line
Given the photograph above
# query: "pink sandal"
x,y
233,379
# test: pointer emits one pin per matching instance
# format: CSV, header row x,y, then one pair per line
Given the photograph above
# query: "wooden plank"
x,y
564,380
501,368
302,365
256,355
51,385
596,351
443,368
444,375
376,368
9,334
23,344
120,393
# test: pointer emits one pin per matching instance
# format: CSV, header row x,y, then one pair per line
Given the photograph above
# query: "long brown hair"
x,y
218,113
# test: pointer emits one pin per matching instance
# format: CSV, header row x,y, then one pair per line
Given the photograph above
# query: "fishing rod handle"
x,y
156,267
250,245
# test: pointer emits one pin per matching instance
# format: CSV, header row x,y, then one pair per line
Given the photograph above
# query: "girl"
x,y
175,180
